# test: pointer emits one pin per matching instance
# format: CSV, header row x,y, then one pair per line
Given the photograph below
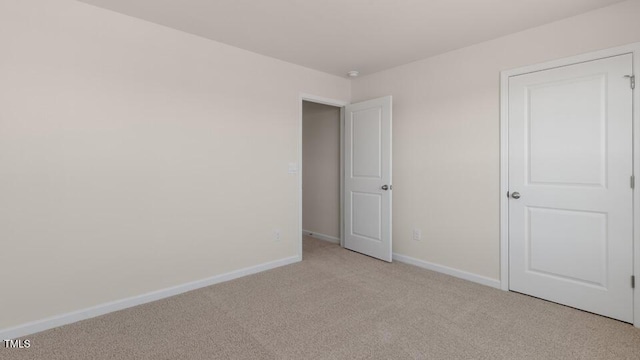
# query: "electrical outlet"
x,y
417,234
277,235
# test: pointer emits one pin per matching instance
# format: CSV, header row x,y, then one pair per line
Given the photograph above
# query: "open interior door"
x,y
367,178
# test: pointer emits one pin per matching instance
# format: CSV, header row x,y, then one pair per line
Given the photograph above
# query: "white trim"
x,y
326,101
74,316
504,156
636,193
504,181
483,280
316,235
341,240
322,100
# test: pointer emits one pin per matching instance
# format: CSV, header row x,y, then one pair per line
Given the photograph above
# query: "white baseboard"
x,y
324,237
449,271
83,314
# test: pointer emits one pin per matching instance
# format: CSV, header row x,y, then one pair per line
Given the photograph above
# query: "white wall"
x,y
321,169
446,134
134,157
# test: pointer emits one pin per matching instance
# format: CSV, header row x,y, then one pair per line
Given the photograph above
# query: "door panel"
x,y
367,215
570,159
368,169
551,121
366,145
557,235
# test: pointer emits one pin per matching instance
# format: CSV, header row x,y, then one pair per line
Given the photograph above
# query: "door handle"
x,y
385,187
515,195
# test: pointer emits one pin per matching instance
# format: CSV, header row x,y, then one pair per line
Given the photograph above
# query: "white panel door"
x,y
367,183
570,166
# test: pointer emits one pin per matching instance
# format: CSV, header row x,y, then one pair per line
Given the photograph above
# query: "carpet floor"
x,y
337,304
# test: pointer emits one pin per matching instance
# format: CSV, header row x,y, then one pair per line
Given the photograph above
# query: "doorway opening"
x,y
363,212
321,174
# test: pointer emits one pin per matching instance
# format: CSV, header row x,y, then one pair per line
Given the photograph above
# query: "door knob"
x,y
385,187
515,195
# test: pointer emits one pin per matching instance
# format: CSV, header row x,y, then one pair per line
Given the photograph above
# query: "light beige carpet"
x,y
337,304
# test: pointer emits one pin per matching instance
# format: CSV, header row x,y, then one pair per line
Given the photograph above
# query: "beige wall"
x,y
134,157
321,169
446,134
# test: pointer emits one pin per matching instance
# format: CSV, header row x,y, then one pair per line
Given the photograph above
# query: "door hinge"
x,y
632,79
633,182
633,282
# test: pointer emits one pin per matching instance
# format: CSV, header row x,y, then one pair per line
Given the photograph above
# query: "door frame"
x,y
633,49
331,102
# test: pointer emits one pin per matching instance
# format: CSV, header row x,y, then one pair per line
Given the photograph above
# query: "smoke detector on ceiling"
x,y
353,73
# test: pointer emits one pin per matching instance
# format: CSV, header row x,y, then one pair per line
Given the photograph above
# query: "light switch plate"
x,y
293,168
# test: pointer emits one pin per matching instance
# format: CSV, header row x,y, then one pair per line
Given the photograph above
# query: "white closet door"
x,y
570,165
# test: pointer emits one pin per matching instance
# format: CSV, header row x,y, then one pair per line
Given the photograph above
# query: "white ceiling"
x,y
336,36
